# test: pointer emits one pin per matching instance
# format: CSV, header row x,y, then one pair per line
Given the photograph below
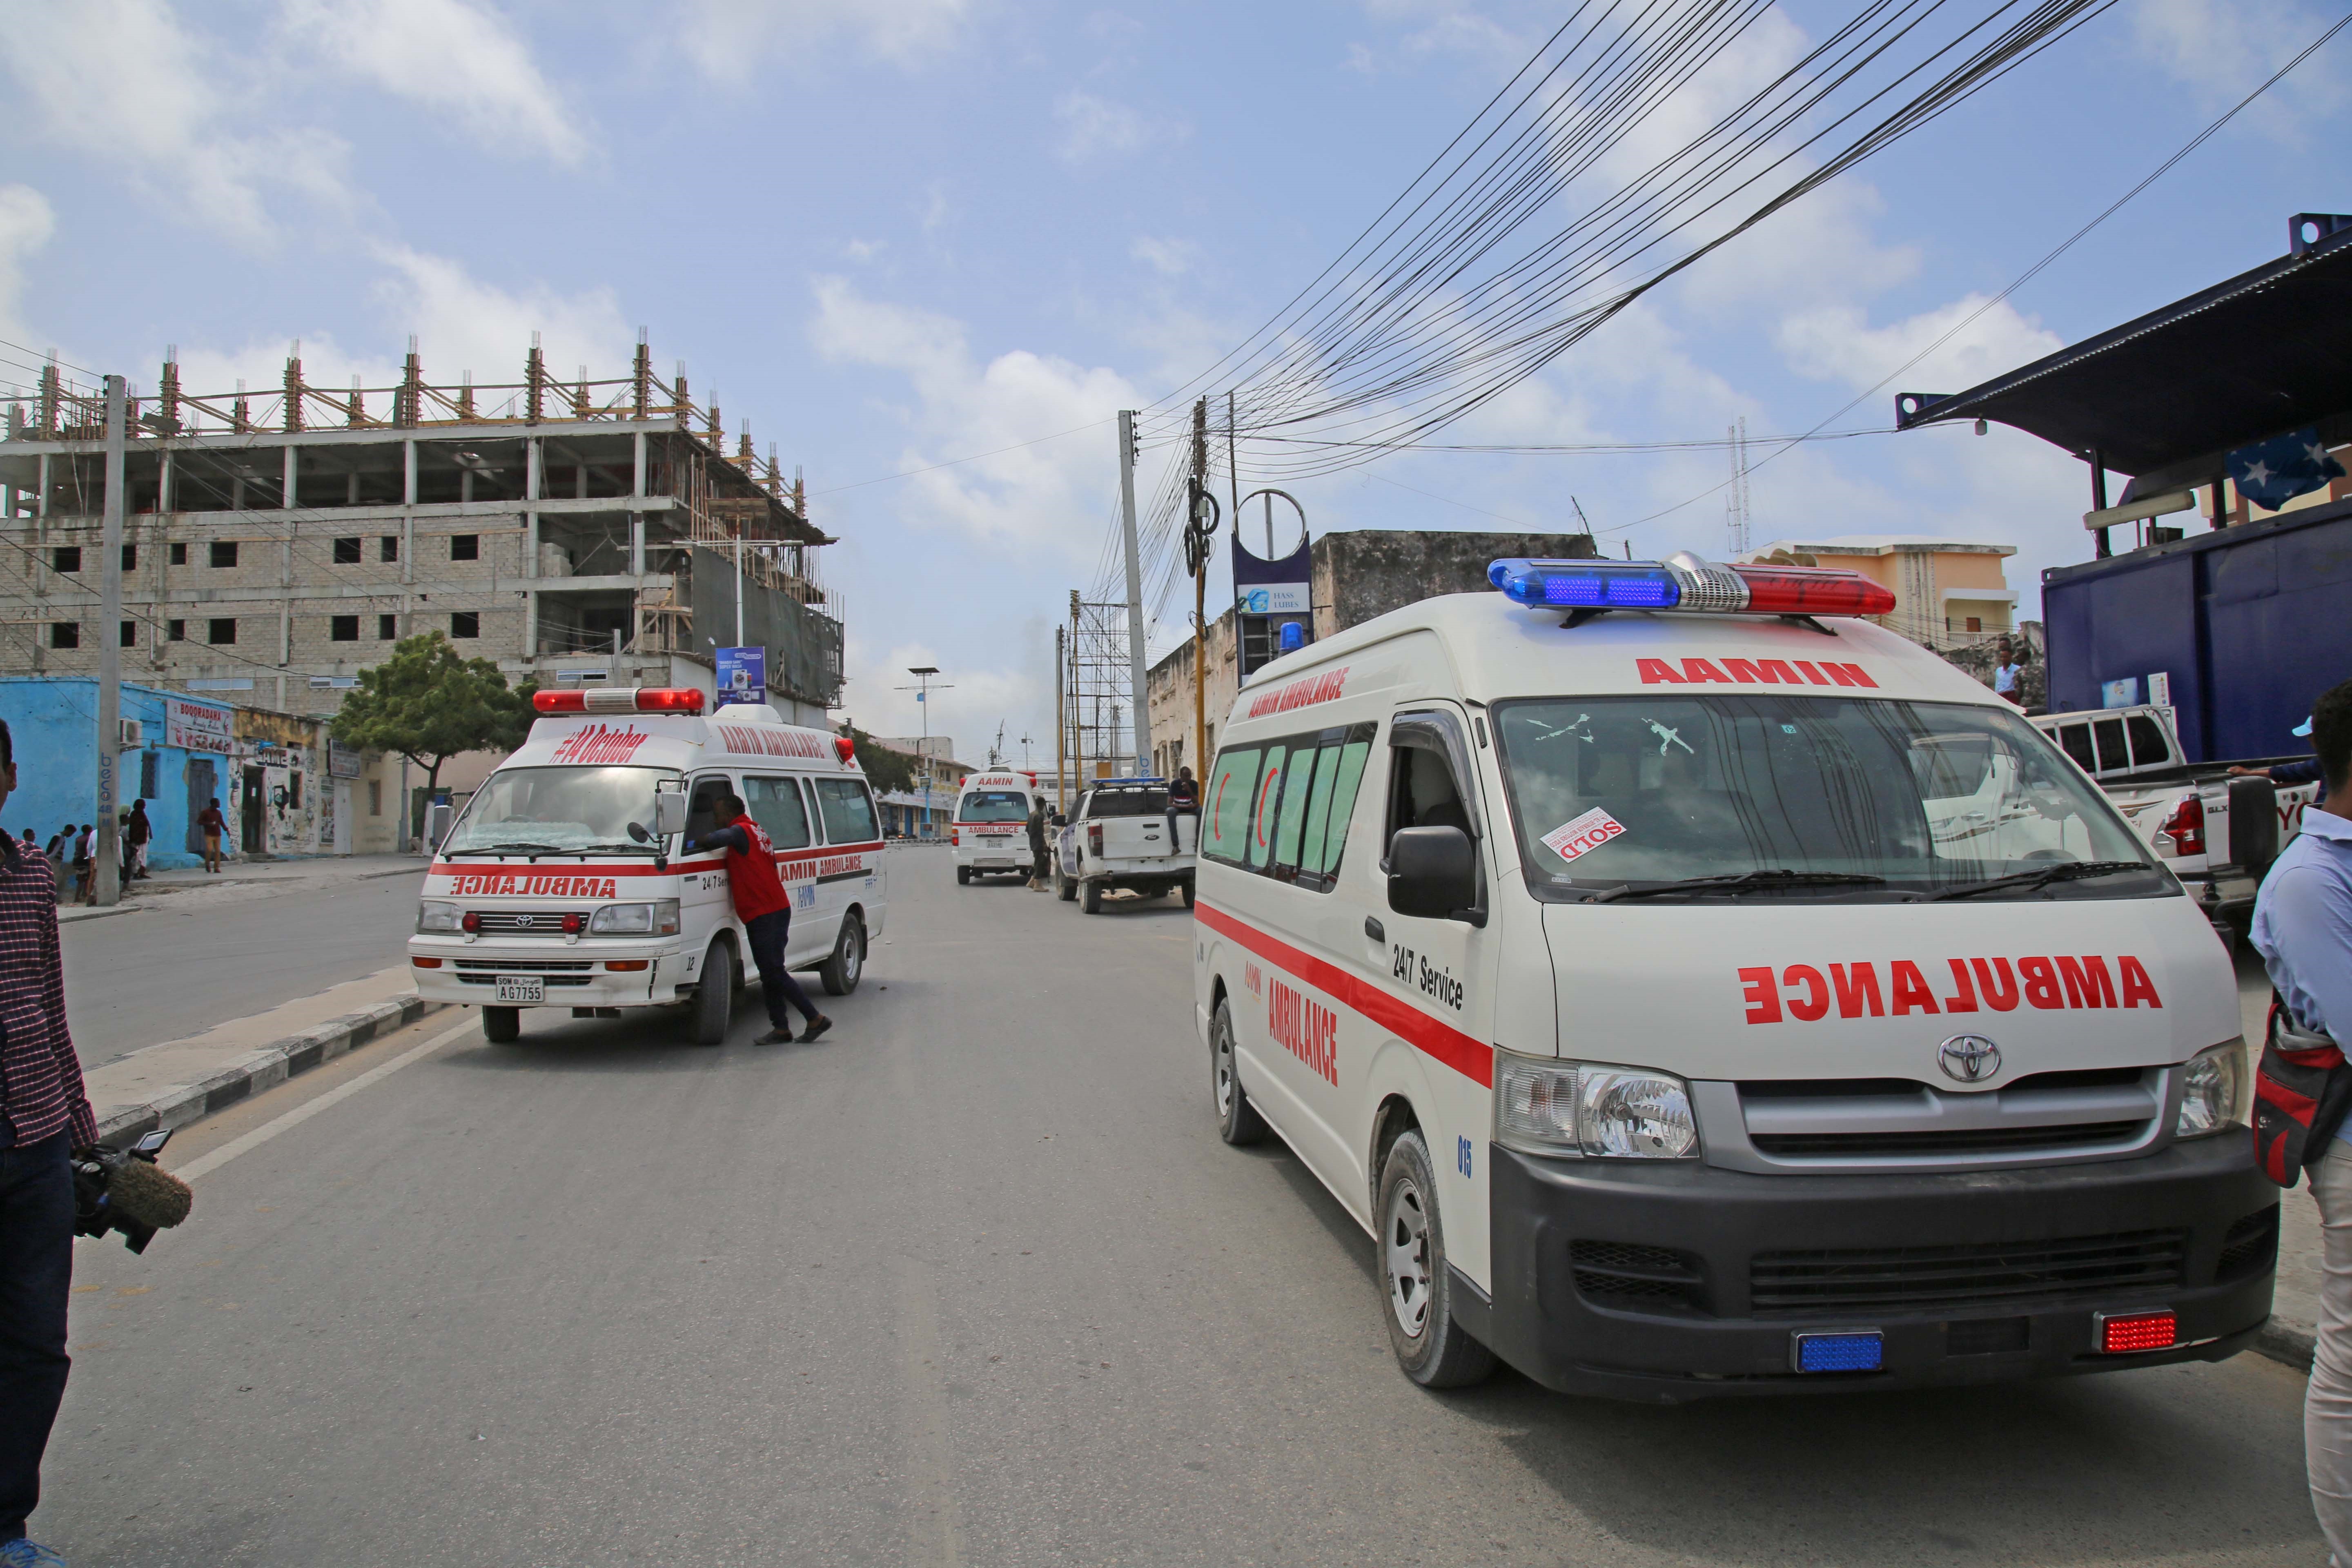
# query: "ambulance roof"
x,y
740,735
1488,649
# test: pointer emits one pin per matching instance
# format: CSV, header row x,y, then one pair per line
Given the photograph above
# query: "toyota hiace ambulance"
x,y
1697,989
567,882
990,831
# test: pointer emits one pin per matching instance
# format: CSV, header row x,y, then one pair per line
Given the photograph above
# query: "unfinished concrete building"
x,y
277,541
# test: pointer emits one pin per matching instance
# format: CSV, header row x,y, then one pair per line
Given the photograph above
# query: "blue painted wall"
x,y
54,723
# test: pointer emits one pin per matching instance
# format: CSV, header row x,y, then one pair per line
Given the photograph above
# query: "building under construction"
x,y
277,541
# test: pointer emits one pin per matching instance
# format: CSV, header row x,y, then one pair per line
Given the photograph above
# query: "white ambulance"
x,y
567,884
990,832
1697,990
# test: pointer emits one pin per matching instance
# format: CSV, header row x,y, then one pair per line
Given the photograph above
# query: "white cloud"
x,y
461,60
2220,49
864,250
729,39
1053,492
1096,127
25,225
1836,342
1169,258
123,79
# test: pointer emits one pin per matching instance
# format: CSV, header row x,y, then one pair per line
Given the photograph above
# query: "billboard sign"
x,y
742,674
198,726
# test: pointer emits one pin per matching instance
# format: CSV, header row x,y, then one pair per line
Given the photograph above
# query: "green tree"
x,y
428,703
885,768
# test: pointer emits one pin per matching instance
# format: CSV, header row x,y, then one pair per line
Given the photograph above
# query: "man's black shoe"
x,y
816,1026
775,1038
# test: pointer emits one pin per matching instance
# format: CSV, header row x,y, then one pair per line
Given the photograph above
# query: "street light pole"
x,y
922,690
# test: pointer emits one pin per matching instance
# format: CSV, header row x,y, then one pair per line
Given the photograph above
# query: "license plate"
x,y
521,988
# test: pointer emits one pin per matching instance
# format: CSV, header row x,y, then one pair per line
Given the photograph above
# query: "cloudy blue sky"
x,y
894,233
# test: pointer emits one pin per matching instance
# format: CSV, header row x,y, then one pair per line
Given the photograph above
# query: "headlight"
x,y
437,919
1574,1107
2209,1089
659,917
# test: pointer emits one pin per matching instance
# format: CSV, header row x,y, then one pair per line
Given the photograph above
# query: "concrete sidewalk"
x,y
238,881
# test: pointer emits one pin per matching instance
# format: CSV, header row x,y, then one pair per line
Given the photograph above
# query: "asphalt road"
x,y
183,961
970,1281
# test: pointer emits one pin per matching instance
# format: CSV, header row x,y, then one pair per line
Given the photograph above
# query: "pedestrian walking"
x,y
137,833
60,853
2007,674
44,1115
1184,800
212,824
1037,875
2303,928
84,841
766,911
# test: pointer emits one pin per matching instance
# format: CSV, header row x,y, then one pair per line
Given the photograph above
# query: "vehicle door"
x,y
853,841
1443,969
780,806
706,903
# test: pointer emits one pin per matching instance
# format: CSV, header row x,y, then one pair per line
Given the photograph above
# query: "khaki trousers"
x,y
2327,1403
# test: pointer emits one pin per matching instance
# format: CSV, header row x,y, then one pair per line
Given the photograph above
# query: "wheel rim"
x,y
852,952
1224,1067
1405,1239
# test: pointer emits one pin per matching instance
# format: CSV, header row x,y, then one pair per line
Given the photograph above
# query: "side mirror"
x,y
670,812
1433,872
1060,820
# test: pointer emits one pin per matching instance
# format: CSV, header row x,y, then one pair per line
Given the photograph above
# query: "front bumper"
x,y
574,974
1963,1274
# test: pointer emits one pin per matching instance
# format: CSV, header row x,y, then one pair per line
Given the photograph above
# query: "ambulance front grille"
x,y
1865,1123
520,922
1929,1279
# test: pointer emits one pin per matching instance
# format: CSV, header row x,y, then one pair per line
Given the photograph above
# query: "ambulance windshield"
x,y
993,806
1905,798
560,811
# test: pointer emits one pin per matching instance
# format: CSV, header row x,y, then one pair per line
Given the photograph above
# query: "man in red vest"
x,y
766,911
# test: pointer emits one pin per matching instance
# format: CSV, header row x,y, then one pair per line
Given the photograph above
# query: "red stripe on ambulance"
x,y
1806,992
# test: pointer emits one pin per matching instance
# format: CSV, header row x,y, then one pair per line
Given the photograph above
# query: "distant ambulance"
x,y
990,832
567,884
1697,989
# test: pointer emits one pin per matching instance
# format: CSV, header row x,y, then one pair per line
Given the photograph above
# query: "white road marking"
x,y
205,1164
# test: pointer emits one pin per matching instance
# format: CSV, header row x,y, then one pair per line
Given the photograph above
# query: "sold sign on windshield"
x,y
1583,836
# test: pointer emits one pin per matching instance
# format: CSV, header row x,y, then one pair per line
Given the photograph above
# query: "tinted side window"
x,y
777,806
1269,782
2075,739
701,817
2148,743
847,811
2109,733
1233,790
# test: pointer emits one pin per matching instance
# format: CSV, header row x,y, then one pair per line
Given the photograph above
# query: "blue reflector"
x,y
1841,1353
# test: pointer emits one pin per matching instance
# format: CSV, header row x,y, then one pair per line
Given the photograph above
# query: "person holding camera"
x,y
44,1115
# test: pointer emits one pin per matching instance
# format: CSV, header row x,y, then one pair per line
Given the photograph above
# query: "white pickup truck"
x,y
1118,837
2218,832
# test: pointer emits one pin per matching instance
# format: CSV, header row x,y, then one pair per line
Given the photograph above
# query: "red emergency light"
x,y
620,700
845,749
2124,1332
1812,591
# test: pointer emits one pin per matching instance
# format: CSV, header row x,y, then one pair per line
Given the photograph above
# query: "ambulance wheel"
x,y
1090,896
1417,1291
714,999
1064,887
964,876
1237,1119
840,972
502,1025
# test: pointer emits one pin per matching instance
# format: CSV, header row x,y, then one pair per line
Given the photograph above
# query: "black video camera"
x,y
125,1189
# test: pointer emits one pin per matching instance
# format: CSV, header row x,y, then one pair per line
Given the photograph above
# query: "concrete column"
x,y
41,503
637,544
637,466
167,492
532,474
291,487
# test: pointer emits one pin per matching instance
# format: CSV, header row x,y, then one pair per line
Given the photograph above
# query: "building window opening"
x,y
387,627
465,547
65,558
344,629
388,547
176,631
179,556
222,632
130,558
347,551
223,552
128,634
465,624
65,633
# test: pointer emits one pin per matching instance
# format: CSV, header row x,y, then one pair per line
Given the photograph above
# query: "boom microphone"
x,y
125,1189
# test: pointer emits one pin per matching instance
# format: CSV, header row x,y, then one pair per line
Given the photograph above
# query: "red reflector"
x,y
670,700
626,965
425,962
560,701
2138,1331
470,921
1813,591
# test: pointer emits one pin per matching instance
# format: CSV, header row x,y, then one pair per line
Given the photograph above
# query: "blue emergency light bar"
x,y
1689,584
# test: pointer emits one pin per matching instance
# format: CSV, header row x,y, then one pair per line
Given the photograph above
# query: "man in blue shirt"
x,y
2302,773
2303,928
2006,674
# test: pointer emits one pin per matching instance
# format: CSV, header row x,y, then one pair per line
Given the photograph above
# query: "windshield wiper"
x,y
515,848
1742,881
2026,882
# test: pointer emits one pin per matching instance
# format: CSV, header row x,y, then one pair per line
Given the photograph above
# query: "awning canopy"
x,y
2163,397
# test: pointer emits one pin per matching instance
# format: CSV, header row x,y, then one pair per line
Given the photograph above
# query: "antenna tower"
x,y
1735,504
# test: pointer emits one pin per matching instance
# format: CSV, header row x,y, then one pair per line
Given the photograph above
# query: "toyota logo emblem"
x,y
1969,1058
524,920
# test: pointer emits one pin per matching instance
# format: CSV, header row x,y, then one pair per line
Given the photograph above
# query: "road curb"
x,y
2290,1344
265,1067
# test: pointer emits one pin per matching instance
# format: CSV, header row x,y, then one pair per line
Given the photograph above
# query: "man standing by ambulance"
x,y
766,911
2303,928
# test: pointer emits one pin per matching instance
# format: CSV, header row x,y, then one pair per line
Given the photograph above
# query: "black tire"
x,y
1187,891
1064,887
840,973
1416,1288
1090,896
714,999
1238,1122
964,876
502,1025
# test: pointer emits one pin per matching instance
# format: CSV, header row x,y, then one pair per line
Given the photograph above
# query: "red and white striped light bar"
x,y
620,700
2125,1334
